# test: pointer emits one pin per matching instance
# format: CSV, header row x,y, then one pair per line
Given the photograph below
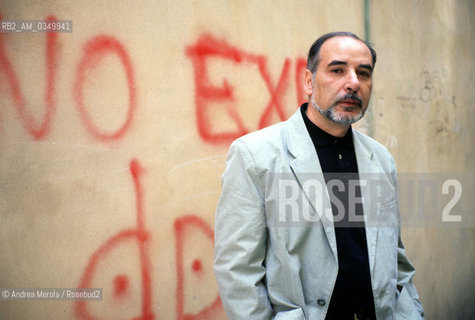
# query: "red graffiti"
x,y
207,94
207,47
276,94
186,228
183,227
38,131
121,282
121,286
94,50
197,266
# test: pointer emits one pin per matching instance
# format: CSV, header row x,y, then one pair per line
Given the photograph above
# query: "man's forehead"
x,y
344,48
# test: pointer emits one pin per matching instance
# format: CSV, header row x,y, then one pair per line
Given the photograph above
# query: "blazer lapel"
x,y
305,165
367,168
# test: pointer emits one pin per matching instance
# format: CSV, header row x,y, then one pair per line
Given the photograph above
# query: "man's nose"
x,y
352,82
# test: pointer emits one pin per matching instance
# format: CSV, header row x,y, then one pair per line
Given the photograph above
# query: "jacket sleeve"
x,y
240,239
408,297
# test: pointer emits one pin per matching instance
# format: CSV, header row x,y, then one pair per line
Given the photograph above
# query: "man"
x,y
287,249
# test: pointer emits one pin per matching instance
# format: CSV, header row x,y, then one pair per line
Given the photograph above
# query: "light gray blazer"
x,y
273,260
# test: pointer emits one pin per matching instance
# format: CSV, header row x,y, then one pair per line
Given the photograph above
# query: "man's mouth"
x,y
350,103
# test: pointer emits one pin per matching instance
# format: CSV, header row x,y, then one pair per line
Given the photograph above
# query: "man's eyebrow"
x,y
337,62
344,63
366,66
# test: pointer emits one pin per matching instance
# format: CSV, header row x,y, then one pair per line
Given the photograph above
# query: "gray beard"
x,y
332,114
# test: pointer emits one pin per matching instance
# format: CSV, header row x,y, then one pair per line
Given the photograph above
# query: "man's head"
x,y
312,60
338,79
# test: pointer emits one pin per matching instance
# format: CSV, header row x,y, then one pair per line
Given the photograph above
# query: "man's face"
x,y
341,85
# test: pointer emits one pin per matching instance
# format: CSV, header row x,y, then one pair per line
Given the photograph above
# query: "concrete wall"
x,y
113,139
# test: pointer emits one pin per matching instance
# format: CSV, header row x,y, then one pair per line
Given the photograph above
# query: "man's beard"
x,y
337,117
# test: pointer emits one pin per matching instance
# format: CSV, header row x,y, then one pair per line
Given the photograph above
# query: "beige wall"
x,y
111,155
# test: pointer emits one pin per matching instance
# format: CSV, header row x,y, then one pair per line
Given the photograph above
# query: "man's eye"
x,y
337,70
365,74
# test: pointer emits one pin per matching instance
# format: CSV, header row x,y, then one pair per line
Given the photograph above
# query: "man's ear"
x,y
308,85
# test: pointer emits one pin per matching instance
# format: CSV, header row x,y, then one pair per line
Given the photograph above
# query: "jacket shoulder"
x,y
265,137
266,148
